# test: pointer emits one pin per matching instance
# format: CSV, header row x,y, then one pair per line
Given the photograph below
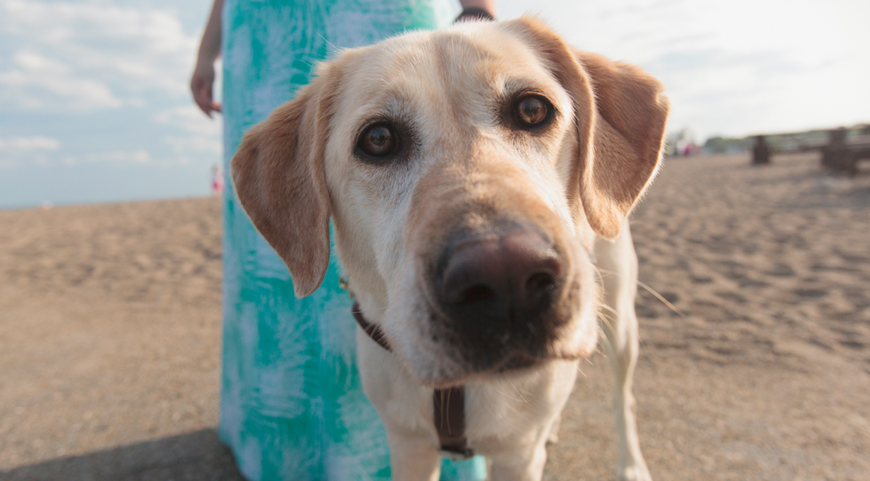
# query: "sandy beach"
x,y
110,335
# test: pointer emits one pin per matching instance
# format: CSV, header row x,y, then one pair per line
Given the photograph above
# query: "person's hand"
x,y
476,10
201,84
474,15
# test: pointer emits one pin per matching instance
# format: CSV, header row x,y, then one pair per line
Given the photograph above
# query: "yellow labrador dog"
x,y
473,176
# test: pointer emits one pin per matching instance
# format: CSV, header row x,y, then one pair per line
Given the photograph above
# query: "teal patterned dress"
x,y
292,407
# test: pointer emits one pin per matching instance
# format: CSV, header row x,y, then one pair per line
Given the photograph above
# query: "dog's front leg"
x,y
412,456
523,463
403,405
617,263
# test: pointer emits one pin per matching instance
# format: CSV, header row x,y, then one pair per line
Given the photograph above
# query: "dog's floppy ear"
x,y
620,113
627,138
278,175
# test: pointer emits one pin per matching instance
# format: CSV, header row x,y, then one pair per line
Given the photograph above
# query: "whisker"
x,y
518,392
599,351
659,297
603,317
329,44
607,321
506,395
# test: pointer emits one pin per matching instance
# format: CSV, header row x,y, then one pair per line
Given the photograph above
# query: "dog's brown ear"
x,y
620,113
278,175
627,139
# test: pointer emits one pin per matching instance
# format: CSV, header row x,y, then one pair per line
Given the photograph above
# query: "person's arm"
x,y
202,80
473,9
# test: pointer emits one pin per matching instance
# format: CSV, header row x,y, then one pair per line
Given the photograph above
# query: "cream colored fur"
x,y
465,164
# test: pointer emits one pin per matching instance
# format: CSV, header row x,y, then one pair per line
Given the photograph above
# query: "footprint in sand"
x,y
811,293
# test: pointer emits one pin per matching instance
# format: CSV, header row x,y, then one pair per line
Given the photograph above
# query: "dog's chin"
x,y
521,363
516,363
443,365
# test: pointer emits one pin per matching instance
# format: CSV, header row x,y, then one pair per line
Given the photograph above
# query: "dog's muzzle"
x,y
497,290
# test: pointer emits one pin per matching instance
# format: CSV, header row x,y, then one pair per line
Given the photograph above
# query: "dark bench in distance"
x,y
838,153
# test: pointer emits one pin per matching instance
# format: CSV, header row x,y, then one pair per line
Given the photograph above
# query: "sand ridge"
x,y
110,335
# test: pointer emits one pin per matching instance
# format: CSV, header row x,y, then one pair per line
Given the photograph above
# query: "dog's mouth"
x,y
516,361
520,360
454,357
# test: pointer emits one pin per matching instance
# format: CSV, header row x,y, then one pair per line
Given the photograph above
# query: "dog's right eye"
x,y
379,140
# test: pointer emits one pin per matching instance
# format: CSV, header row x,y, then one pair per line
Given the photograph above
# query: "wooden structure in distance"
x,y
839,153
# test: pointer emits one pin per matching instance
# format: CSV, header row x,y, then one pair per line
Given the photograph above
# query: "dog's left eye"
x,y
532,111
379,140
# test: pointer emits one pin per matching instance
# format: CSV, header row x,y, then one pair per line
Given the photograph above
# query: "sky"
x,y
94,105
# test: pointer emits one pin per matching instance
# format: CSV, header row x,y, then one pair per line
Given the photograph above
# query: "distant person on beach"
x,y
217,180
292,406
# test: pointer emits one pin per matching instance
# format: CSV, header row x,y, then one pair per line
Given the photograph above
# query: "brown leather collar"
x,y
372,330
448,404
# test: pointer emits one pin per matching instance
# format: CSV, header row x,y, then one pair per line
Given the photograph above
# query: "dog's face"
x,y
467,172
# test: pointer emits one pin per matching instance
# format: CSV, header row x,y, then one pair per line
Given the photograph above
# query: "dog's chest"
x,y
517,405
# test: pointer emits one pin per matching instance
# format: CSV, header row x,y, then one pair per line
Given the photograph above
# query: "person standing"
x,y
292,406
217,180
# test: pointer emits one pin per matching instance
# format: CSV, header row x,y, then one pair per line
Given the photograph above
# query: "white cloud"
x,y
41,82
33,149
99,53
115,157
182,145
27,144
136,157
189,118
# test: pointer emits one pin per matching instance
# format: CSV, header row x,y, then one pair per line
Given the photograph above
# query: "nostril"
x,y
541,281
496,279
474,294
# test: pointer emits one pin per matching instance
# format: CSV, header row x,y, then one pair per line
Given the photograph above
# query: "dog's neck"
x,y
448,404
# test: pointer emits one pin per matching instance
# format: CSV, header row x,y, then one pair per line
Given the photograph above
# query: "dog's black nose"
x,y
495,281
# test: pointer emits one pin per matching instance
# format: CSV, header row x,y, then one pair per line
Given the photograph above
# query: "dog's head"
x,y
467,172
